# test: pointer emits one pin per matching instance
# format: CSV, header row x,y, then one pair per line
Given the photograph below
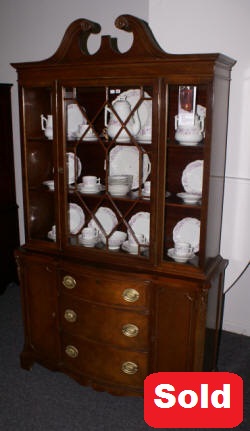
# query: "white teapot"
x,y
123,108
47,126
190,134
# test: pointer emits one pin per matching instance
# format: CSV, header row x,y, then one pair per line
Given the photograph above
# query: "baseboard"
x,y
243,329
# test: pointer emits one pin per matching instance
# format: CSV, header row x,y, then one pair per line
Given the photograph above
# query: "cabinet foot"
x,y
26,360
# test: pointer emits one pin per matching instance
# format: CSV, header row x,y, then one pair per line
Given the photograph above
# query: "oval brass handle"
x,y
70,315
130,330
69,282
71,351
129,367
130,295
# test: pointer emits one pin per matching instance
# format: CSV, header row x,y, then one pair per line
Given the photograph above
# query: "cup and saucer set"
x,y
90,184
182,252
186,238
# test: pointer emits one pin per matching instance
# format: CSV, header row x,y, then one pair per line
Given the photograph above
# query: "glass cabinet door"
x,y
39,156
185,191
108,135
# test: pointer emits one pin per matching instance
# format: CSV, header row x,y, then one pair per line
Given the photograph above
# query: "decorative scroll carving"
x,y
74,42
144,41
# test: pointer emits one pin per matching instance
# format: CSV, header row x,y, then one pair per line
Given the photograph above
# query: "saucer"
x,y
89,190
181,259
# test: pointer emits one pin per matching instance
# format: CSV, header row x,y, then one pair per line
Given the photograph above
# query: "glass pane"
x,y
40,161
184,180
109,147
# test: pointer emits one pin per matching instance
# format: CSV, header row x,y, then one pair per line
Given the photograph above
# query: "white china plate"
x,y
140,224
124,159
76,218
71,159
189,198
145,108
75,117
188,230
181,259
192,177
107,220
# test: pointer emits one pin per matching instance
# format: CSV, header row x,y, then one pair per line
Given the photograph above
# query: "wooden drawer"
x,y
106,287
121,367
122,327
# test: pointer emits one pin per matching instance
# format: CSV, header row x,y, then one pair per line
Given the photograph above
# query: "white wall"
x,y
32,30
221,26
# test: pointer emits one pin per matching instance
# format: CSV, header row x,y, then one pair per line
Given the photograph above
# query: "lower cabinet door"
x,y
40,310
104,363
178,321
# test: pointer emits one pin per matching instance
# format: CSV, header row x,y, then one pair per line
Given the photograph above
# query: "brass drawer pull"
x,y
70,315
69,282
130,330
129,367
130,295
71,351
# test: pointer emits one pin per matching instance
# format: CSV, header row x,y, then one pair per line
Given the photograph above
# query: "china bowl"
x,y
118,189
116,239
120,179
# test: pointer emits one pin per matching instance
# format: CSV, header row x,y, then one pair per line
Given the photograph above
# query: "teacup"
x,y
89,233
183,249
133,248
88,237
90,181
138,239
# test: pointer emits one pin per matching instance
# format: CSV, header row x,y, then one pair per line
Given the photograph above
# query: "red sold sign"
x,y
193,400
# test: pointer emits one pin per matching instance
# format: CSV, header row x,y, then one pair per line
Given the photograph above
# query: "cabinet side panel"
x,y
217,166
175,322
213,321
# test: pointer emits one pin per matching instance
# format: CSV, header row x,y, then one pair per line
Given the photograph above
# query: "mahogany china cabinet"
x,y
123,159
8,206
